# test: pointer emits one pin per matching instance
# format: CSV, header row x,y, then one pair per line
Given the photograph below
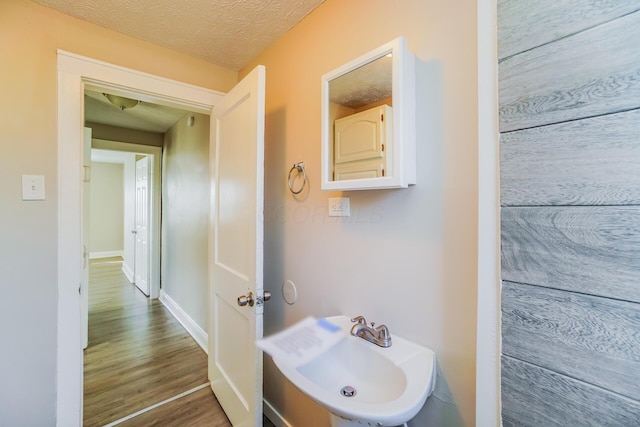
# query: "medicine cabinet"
x,y
368,121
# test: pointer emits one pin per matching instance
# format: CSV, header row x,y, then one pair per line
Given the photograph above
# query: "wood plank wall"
x,y
569,92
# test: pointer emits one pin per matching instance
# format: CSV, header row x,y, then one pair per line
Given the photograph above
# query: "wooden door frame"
x,y
75,74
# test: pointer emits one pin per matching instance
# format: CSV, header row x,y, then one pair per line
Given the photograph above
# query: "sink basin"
x,y
361,383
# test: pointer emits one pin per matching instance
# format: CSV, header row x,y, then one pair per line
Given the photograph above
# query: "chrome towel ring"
x,y
300,168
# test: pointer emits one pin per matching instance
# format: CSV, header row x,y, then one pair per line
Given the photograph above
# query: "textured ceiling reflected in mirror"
x,y
364,85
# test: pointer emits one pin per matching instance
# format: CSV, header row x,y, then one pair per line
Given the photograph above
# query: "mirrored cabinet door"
x,y
368,120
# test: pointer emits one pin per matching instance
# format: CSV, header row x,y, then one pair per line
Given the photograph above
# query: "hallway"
x,y
139,356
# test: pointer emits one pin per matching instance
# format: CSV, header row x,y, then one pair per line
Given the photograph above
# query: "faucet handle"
x,y
359,319
383,332
384,337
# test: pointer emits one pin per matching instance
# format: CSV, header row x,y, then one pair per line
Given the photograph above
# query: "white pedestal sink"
x,y
363,384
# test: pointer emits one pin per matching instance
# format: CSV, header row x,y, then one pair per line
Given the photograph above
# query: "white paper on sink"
x,y
303,341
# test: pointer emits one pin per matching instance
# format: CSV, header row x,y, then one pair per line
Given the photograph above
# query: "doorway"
x,y
75,74
184,185
127,154
136,348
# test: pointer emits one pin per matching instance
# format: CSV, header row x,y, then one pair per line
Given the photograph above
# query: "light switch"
x,y
32,187
339,206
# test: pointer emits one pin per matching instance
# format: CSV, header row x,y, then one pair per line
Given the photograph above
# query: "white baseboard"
x,y
185,320
105,254
128,271
275,417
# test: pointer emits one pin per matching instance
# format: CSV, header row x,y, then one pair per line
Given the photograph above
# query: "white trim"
x,y
69,372
185,320
99,75
157,405
276,418
488,328
127,271
75,73
105,254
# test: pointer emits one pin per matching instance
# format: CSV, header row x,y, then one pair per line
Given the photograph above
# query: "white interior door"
x,y
236,250
86,215
141,231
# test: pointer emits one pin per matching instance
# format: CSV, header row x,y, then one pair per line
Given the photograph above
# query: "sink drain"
x,y
348,391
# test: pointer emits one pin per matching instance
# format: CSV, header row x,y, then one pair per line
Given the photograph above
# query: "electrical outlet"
x,y
339,206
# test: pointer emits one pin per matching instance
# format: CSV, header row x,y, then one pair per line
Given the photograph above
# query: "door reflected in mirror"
x,y
360,106
367,144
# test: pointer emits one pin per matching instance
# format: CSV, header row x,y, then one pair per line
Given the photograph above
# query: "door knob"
x,y
134,232
249,300
246,299
266,296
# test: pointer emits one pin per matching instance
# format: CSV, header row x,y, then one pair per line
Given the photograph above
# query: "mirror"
x,y
368,121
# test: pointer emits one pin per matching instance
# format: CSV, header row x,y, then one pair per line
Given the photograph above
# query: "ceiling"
x,y
229,33
144,116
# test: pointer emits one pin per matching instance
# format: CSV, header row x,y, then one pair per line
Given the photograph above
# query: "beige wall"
x,y
185,216
408,257
107,208
29,37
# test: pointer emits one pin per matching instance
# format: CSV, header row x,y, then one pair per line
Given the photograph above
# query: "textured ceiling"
x,y
229,33
365,85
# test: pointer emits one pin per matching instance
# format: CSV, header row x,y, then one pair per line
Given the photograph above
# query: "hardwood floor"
x,y
138,356
191,410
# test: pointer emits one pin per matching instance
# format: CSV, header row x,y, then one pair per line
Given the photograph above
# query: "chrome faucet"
x,y
379,335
